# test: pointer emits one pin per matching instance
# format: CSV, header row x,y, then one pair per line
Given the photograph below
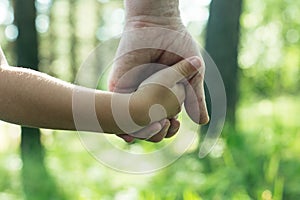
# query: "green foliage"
x,y
257,160
269,50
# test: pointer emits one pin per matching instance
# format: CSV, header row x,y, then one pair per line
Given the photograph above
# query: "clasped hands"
x,y
161,77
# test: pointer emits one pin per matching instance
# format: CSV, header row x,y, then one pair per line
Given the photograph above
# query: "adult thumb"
x,y
181,71
188,67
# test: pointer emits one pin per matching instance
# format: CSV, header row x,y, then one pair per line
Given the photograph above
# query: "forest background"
x,y
257,156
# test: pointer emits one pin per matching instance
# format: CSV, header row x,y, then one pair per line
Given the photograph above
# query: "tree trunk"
x,y
36,181
222,39
73,38
27,56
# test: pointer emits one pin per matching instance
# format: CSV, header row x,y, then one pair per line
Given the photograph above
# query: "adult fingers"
x,y
127,138
154,132
167,131
175,124
148,131
195,104
161,135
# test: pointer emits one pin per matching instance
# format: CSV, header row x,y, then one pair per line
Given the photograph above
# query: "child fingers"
x,y
174,127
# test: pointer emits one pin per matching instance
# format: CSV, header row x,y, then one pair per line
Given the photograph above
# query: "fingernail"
x,y
128,139
195,61
163,122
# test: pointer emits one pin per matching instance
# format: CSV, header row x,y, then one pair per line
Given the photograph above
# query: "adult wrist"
x,y
158,8
149,13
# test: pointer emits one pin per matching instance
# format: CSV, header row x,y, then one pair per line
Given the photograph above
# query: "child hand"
x,y
162,94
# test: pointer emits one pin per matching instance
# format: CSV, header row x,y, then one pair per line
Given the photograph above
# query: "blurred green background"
x,y
257,156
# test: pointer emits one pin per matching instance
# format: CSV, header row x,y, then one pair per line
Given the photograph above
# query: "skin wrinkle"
x,y
162,12
36,99
145,15
162,8
146,21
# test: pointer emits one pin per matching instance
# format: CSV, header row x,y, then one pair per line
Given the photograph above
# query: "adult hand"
x,y
157,37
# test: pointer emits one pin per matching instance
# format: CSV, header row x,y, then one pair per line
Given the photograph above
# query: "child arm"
x,y
34,99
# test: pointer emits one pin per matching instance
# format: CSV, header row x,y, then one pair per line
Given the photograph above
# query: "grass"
x,y
259,160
